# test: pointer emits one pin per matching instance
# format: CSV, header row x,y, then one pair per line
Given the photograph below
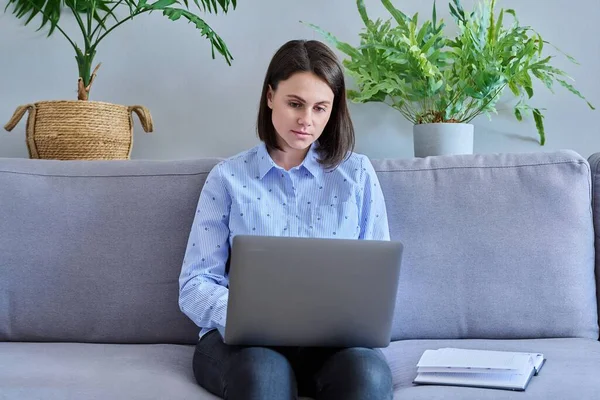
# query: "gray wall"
x,y
202,107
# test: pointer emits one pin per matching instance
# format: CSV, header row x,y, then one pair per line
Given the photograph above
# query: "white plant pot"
x,y
442,139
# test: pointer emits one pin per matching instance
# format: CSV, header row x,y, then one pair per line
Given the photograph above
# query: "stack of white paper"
x,y
479,368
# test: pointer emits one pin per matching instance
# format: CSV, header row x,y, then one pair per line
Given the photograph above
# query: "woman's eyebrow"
x,y
300,99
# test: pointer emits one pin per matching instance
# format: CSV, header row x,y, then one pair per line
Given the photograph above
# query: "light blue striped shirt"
x,y
250,194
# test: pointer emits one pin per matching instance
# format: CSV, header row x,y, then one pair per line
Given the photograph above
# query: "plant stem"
x,y
467,110
99,26
479,110
116,25
90,18
424,104
456,96
81,26
85,58
409,108
66,36
402,111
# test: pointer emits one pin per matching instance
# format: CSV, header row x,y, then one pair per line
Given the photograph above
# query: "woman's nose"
x,y
305,118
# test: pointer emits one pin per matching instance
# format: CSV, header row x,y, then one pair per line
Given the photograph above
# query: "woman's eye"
x,y
320,109
295,105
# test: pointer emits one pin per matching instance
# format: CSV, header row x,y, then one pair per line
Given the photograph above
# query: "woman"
x,y
302,180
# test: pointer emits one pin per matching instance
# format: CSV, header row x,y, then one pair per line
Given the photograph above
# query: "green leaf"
x,y
555,71
571,88
401,19
518,114
514,88
454,13
352,94
499,25
544,78
473,93
362,10
161,4
49,9
540,44
429,44
570,58
51,13
513,13
209,5
527,84
459,9
342,46
215,40
539,124
415,20
541,63
491,29
422,32
212,6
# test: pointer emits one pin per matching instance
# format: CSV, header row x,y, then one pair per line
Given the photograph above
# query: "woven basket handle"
x,y
16,118
144,116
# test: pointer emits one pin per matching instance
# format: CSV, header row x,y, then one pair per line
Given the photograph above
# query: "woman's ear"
x,y
270,94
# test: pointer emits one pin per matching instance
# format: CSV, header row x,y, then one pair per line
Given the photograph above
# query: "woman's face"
x,y
301,107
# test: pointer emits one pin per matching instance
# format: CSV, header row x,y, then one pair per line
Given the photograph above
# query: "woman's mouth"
x,y
301,133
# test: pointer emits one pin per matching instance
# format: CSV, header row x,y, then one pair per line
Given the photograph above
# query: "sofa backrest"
x,y
594,162
496,245
90,251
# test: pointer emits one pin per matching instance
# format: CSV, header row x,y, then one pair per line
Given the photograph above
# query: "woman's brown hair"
x,y
337,140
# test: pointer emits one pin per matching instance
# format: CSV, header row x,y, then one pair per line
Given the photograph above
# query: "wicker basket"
x,y
80,130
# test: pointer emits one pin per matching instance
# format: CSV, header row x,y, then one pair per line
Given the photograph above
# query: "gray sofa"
x,y
499,254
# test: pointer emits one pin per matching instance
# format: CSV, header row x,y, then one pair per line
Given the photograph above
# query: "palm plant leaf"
x,y
93,17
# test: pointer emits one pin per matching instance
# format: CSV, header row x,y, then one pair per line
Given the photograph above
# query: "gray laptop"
x,y
286,291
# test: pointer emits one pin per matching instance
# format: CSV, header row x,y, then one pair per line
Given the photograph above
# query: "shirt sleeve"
x,y
203,292
372,209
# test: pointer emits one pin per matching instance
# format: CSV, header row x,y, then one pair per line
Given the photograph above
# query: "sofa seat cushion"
x,y
75,371
571,370
70,371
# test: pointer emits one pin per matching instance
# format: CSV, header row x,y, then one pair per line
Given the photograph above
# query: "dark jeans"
x,y
265,373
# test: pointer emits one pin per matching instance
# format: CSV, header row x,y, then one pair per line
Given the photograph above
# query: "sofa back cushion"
x,y
496,245
594,161
90,251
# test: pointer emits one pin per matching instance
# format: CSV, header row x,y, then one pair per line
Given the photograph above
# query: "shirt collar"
x,y
310,163
265,162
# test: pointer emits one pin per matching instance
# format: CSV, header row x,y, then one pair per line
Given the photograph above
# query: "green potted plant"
x,y
83,129
441,83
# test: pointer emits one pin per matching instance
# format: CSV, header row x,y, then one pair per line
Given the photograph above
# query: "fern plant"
x,y
430,77
96,19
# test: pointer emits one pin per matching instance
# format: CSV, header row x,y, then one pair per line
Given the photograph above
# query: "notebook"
x,y
478,368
